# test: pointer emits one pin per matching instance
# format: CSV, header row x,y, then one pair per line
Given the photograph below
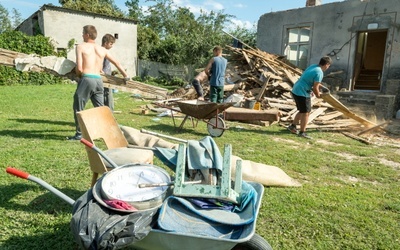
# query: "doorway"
x,y
369,60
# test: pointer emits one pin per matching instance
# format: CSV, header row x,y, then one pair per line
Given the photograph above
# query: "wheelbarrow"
x,y
157,239
162,240
209,112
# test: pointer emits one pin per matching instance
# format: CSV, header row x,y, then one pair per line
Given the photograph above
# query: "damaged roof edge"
x,y
62,9
57,8
305,7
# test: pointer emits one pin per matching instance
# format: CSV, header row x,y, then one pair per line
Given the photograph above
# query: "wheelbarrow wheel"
x,y
255,243
216,126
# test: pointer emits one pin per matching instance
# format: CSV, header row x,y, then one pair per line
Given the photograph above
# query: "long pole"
x,y
161,135
237,39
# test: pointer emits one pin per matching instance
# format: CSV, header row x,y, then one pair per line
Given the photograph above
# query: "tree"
x,y
8,22
134,10
5,23
106,7
147,40
168,33
183,38
16,18
247,36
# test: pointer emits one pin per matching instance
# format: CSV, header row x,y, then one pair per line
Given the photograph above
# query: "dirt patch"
x,y
354,180
287,141
325,142
348,157
392,164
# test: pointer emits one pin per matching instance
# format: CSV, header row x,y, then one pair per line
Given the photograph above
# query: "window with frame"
x,y
298,45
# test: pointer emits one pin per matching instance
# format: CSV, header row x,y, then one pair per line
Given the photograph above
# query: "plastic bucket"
x,y
249,104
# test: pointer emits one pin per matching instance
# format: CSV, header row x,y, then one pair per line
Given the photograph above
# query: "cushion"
x,y
135,137
122,156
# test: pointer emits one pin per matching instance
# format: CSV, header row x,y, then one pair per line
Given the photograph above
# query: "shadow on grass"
x,y
174,131
38,134
47,203
60,238
62,123
189,129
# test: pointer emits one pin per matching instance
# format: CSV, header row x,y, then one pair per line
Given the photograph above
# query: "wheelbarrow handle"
x,y
87,143
105,157
18,173
41,182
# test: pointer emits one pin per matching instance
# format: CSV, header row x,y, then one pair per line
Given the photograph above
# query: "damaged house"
x,y
64,26
361,36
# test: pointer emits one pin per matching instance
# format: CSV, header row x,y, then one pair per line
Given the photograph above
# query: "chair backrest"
x,y
99,123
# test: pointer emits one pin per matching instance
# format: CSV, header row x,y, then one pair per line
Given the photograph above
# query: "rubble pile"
x,y
268,79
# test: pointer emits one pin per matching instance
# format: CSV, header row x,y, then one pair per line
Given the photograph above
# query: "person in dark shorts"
x,y
309,82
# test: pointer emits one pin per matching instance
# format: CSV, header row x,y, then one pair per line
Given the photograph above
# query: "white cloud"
x,y
195,9
239,23
240,6
180,2
214,5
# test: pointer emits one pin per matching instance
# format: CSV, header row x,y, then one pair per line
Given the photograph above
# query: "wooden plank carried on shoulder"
x,y
134,87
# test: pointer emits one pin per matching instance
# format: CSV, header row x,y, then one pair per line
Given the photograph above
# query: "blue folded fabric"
x,y
168,156
199,154
178,214
175,216
204,154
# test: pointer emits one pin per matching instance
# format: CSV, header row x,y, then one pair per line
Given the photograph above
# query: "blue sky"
x,y
247,12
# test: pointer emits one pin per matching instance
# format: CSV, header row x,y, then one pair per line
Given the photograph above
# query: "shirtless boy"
x,y
89,63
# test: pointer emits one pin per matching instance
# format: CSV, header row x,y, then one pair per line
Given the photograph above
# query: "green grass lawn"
x,y
349,197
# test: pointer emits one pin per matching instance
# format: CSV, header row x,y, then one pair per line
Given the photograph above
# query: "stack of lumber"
x,y
269,78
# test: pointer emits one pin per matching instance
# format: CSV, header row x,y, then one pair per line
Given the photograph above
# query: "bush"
x,y
20,42
11,76
38,45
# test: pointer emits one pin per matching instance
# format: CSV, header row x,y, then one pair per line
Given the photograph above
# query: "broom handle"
x,y
166,136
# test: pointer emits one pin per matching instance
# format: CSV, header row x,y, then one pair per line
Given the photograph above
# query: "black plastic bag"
x,y
97,227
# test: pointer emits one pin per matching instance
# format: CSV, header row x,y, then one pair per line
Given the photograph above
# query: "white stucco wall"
x,y
62,26
334,27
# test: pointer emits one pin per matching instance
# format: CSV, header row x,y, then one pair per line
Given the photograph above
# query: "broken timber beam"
x,y
263,88
315,114
355,137
340,107
373,128
243,114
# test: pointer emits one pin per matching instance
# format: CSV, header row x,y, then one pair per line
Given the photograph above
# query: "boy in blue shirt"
x,y
310,81
216,71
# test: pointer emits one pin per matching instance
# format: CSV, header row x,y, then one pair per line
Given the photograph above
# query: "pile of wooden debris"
x,y
268,79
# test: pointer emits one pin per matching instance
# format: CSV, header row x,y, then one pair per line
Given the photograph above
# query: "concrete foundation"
x,y
385,107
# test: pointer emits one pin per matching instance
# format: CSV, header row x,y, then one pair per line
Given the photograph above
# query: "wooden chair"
x,y
99,124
